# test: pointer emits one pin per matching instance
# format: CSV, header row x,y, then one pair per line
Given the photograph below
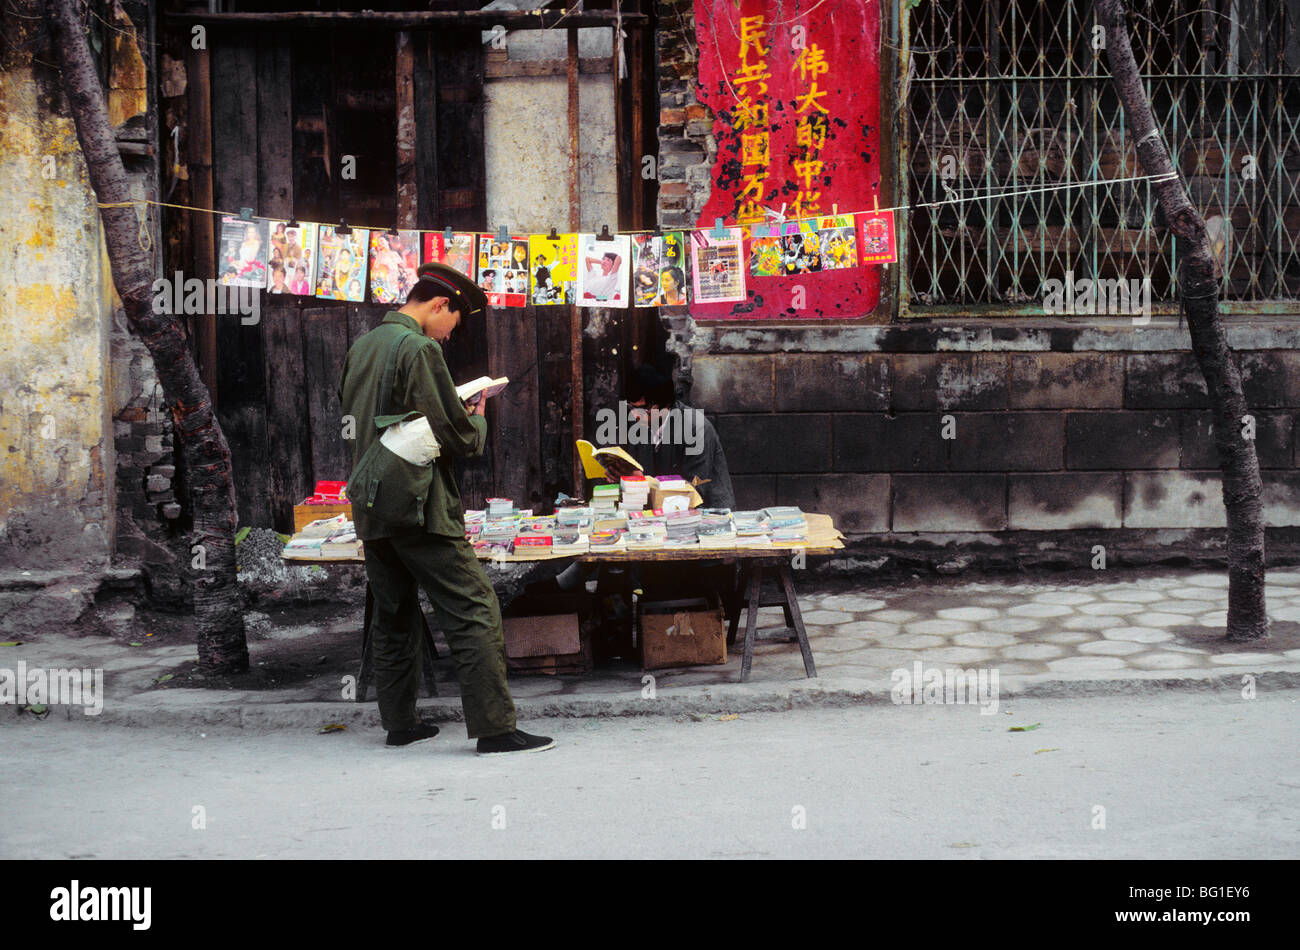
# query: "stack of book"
x,y
636,492
604,501
532,541
681,528
607,541
497,507
788,524
577,516
646,533
716,531
341,544
568,540
752,529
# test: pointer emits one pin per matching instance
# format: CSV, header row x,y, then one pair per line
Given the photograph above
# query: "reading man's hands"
x,y
477,405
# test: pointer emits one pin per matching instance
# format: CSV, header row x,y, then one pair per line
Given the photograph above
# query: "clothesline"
x,y
777,217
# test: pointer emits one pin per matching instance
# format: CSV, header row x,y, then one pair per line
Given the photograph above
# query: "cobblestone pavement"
x,y
1164,626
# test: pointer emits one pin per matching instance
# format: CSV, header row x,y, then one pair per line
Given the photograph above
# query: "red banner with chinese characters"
x,y
795,90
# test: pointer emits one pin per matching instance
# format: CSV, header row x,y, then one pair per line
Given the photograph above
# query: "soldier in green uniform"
x,y
434,555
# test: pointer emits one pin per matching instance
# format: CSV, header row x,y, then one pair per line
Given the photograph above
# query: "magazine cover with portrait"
x,y
292,267
603,270
503,270
394,259
659,270
341,264
554,268
243,252
456,252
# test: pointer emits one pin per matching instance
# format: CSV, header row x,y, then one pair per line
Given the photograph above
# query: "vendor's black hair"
x,y
653,383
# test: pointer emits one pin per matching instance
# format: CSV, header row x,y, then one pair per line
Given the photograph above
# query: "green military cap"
x,y
465,295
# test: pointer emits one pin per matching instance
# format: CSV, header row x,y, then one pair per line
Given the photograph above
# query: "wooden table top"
x,y
823,538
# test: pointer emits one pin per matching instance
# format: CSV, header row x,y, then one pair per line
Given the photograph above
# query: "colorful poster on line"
x,y
292,268
503,270
393,262
555,268
718,266
603,270
243,252
456,251
658,270
837,242
876,238
341,264
784,249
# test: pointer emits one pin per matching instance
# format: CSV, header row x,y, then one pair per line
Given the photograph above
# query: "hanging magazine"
x,y
778,250
659,270
243,252
341,264
718,266
603,270
876,238
292,267
393,262
503,270
456,251
555,268
838,243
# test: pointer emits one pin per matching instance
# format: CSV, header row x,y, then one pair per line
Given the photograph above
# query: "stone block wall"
x,y
991,441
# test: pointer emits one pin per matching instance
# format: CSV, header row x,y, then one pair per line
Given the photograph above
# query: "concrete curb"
x,y
685,701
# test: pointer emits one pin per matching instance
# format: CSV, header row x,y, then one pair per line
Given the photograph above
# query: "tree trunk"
x,y
217,606
1198,287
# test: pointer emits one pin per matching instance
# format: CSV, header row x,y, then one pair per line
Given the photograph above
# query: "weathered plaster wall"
x,y
526,138
55,497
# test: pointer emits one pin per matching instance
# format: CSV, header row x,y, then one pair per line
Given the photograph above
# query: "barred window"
x,y
1016,96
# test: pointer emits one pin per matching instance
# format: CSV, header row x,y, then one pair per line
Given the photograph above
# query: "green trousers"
x,y
470,618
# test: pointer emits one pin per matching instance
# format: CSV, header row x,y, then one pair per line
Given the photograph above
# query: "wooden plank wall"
x,y
276,106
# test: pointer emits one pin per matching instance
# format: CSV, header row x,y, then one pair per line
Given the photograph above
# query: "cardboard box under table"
x,y
682,633
544,635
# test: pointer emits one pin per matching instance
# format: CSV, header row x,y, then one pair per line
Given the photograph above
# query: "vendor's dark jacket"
x,y
421,383
709,465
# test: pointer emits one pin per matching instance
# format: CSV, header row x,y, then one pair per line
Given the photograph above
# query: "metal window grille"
x,y
1016,95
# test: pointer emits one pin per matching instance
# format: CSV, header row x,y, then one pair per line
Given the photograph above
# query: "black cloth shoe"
x,y
403,737
514,742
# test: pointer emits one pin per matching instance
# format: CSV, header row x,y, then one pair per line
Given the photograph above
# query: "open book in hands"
x,y
469,392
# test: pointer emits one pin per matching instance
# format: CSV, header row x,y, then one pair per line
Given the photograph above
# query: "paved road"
x,y
1178,776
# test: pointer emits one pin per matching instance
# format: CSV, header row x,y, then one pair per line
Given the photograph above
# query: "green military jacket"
x,y
423,384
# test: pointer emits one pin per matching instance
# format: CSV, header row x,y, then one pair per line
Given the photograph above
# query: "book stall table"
x,y
755,562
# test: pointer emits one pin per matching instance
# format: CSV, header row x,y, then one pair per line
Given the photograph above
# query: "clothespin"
x,y
718,230
552,236
875,204
446,235
835,209
604,234
393,231
245,214
293,224
343,227
503,234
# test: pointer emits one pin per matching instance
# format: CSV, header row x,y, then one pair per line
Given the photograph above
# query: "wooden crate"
x,y
305,514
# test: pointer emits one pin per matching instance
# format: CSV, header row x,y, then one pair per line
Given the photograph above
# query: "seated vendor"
x,y
681,440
